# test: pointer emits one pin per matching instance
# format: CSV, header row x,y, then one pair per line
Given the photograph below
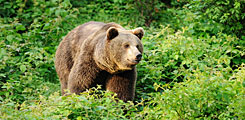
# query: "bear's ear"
x,y
139,32
112,32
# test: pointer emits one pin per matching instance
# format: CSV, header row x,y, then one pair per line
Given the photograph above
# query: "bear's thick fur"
x,y
99,53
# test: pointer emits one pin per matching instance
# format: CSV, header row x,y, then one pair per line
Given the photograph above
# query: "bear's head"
x,y
124,47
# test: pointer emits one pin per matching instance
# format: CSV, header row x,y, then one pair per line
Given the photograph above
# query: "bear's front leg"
x,y
82,76
123,84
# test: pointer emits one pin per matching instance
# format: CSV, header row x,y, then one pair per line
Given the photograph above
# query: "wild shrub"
x,y
230,13
29,36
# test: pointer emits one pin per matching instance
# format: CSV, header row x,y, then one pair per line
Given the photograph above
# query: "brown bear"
x,y
99,53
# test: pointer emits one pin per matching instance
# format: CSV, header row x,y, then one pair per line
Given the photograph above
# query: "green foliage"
x,y
192,23
28,43
168,55
108,11
149,10
88,105
144,12
204,95
190,68
228,12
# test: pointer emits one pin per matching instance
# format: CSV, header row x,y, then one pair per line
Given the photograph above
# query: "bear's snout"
x,y
135,60
138,57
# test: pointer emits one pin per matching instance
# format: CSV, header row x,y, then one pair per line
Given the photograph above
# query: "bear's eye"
x,y
126,46
137,46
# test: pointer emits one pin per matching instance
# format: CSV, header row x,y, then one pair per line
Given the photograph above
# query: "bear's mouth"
x,y
133,62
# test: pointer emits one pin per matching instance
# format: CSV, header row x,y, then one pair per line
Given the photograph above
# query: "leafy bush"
x,y
228,12
169,54
133,12
204,94
88,105
108,11
28,45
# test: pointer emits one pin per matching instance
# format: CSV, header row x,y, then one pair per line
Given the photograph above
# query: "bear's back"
x,y
70,46
87,29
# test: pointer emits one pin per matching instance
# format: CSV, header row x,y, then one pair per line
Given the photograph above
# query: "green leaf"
x,y
2,75
20,27
47,26
100,107
2,53
23,68
176,57
10,37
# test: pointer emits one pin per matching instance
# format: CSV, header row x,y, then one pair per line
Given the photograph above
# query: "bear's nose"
x,y
138,57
